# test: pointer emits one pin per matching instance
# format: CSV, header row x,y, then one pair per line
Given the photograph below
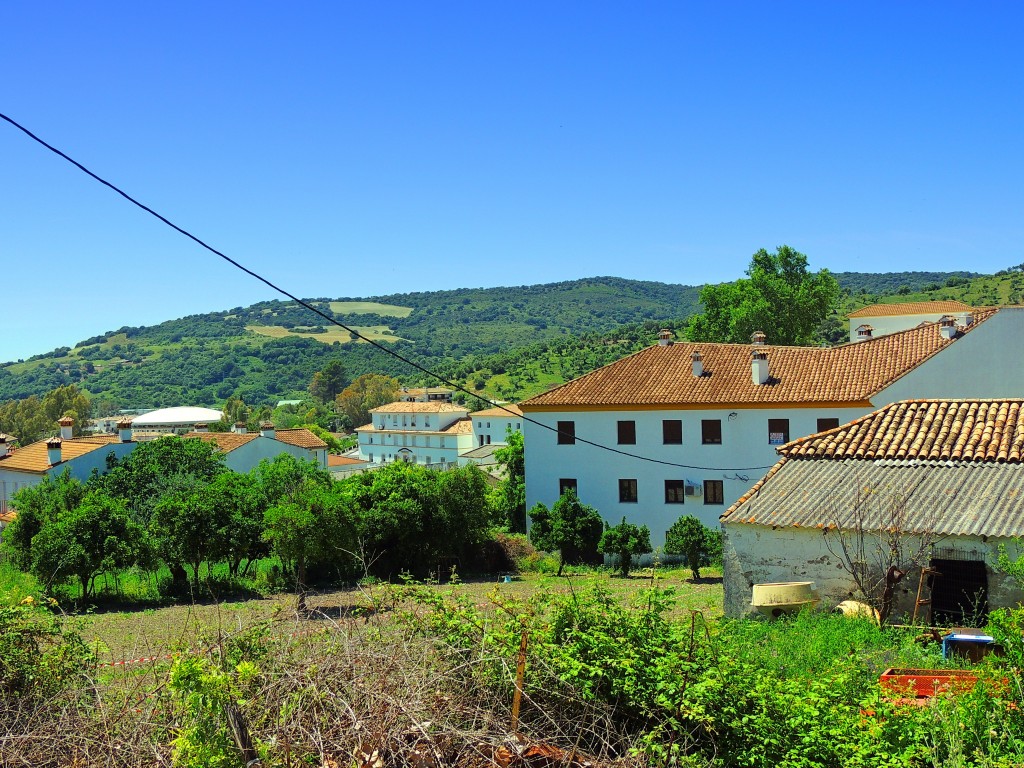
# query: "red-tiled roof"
x,y
300,438
35,457
435,406
500,411
225,441
662,376
912,308
932,430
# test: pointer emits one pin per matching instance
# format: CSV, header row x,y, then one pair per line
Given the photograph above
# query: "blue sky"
x,y
358,149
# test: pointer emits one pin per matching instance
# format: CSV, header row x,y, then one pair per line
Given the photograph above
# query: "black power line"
x,y
352,331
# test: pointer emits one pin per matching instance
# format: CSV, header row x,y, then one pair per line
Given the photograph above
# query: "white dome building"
x,y
172,421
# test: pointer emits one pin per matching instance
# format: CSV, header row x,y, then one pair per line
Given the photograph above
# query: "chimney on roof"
x,y
267,429
5,447
759,366
947,326
124,430
698,363
240,428
202,428
864,332
968,319
67,426
664,337
757,338
53,450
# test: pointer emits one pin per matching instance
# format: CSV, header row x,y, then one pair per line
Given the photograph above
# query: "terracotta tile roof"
x,y
431,407
942,498
500,411
226,441
931,430
342,461
35,458
662,376
460,427
6,518
911,308
300,438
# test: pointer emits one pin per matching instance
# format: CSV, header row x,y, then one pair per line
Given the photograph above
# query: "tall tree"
x,y
68,401
328,383
779,296
510,495
37,506
369,391
25,419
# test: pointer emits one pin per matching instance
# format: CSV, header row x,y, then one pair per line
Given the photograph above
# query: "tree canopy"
x,y
779,296
367,392
570,526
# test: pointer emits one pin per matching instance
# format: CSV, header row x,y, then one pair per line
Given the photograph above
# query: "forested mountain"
x,y
506,342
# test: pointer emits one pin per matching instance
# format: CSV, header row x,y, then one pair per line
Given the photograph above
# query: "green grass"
x,y
369,308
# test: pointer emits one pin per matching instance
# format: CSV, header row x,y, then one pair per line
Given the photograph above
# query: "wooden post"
x,y
517,697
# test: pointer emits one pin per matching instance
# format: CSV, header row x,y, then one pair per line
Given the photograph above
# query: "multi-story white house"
x,y
692,425
882,319
491,425
431,433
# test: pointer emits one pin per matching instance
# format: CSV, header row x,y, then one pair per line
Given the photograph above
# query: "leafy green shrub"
x,y
700,545
625,541
39,655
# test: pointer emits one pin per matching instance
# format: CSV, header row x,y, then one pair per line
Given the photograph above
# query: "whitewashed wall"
x,y
757,554
887,324
744,445
983,363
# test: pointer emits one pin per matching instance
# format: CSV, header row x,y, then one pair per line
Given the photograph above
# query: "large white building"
x,y
430,433
244,450
172,421
692,425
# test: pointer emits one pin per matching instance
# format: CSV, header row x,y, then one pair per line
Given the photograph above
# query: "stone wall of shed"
x,y
757,554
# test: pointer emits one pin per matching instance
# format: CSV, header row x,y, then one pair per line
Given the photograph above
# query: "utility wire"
x,y
352,331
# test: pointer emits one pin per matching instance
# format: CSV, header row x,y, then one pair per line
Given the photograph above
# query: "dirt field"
x,y
133,633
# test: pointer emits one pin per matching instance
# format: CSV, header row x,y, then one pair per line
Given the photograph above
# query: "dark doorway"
x,y
959,593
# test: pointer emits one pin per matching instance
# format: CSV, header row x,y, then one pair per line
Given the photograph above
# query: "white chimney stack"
x,y
665,337
698,363
864,332
53,450
124,430
759,367
267,429
968,319
240,428
67,426
757,338
947,326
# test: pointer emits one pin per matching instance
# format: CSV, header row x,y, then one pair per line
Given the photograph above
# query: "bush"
x,y
625,541
39,656
700,545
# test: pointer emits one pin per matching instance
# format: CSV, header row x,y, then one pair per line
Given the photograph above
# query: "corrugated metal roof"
x,y
945,498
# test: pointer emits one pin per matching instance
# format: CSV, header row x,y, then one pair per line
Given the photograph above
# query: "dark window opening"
x,y
714,492
567,433
627,433
826,424
672,431
675,490
566,484
711,431
959,593
627,490
778,431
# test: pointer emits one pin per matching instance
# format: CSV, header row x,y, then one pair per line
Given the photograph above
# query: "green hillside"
x,y
507,342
